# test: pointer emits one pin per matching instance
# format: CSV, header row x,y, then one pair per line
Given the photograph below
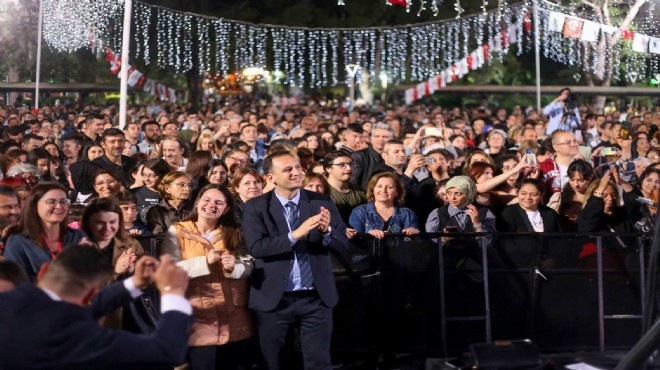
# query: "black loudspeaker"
x,y
501,355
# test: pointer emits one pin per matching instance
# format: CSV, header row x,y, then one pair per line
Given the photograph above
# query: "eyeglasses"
x,y
183,185
569,142
238,159
343,164
107,182
54,202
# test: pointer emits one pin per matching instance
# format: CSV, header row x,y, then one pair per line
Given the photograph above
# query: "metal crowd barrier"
x,y
420,294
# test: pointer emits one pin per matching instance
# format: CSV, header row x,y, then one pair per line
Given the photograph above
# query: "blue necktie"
x,y
306,279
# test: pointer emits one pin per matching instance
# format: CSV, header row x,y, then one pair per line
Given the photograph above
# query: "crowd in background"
x,y
72,175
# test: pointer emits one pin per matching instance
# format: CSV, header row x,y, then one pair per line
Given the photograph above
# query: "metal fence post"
x,y
443,311
484,259
601,308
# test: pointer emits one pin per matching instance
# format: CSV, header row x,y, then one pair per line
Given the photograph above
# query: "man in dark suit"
x,y
53,326
365,161
289,232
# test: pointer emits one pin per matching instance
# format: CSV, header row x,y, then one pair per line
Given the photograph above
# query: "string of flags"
x,y
139,80
587,30
475,60
568,26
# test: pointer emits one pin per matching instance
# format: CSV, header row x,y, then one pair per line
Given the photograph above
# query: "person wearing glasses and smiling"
x,y
174,189
554,171
38,240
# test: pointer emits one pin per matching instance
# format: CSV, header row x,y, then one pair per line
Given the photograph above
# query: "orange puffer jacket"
x,y
219,300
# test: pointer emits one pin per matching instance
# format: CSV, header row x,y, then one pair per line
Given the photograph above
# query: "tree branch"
x,y
628,19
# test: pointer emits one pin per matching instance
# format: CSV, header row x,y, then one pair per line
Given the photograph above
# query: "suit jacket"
x,y
365,163
266,231
524,251
37,332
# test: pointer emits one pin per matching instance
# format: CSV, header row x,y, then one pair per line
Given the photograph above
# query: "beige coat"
x,y
219,299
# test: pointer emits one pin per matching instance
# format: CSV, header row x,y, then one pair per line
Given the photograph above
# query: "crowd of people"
x,y
222,186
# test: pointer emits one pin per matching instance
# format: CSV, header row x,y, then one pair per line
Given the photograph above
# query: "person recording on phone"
x,y
54,325
563,113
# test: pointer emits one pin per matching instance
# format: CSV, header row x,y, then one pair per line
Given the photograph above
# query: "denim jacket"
x,y
365,218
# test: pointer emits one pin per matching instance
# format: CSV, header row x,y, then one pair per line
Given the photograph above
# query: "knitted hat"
x,y
464,184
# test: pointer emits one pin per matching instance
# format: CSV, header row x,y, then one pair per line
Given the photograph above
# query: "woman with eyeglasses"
x,y
148,195
42,230
106,183
175,189
209,246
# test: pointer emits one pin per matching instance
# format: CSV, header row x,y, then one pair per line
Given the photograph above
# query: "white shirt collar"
x,y
51,294
284,201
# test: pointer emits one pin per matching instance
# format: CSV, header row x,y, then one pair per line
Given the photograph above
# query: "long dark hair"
x,y
103,205
567,193
30,225
228,225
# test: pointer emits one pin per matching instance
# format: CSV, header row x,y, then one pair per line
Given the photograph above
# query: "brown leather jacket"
x,y
219,299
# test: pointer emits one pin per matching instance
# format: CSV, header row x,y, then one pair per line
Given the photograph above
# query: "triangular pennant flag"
x,y
513,35
140,82
433,84
627,34
608,29
443,82
415,95
556,21
527,23
115,67
149,87
472,60
654,45
421,89
640,43
480,57
110,56
573,27
449,76
463,68
454,72
133,76
409,96
486,52
590,31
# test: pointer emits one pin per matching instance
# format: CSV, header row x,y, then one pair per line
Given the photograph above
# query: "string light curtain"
x,y
315,57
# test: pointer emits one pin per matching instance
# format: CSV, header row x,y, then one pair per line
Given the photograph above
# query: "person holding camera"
x,y
563,113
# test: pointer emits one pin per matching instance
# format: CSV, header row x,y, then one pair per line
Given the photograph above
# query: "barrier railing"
x,y
565,291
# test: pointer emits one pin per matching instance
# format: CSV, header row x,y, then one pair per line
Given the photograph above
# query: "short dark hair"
x,y
145,124
27,137
355,127
92,116
125,197
330,157
78,268
112,131
267,165
8,191
12,272
74,136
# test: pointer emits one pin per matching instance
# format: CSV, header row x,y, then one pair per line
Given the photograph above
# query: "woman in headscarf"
x,y
460,214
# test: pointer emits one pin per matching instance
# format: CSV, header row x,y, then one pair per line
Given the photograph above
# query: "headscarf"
x,y
464,184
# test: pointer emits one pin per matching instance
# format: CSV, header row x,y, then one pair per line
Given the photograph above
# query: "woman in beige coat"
x,y
210,247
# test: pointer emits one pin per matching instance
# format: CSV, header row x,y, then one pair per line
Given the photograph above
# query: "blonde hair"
x,y
168,180
202,137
